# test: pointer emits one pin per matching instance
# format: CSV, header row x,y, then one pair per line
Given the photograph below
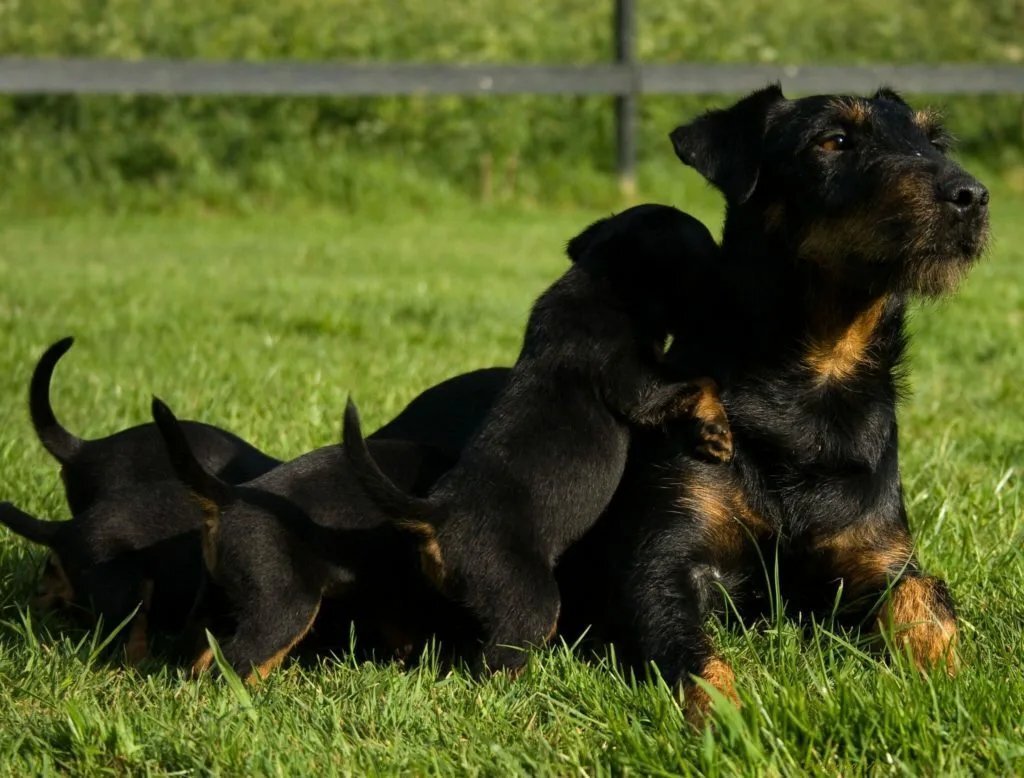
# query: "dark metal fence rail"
x,y
191,77
625,79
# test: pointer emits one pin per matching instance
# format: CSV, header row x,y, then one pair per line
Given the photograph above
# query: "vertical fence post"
x,y
626,104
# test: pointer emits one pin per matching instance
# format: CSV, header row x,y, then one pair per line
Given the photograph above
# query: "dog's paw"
x,y
714,440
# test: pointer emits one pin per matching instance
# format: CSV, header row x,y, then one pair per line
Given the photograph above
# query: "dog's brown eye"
x,y
836,142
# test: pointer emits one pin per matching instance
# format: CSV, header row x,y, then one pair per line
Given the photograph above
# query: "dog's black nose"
x,y
963,193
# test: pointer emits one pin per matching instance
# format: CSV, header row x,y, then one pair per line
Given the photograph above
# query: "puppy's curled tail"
x,y
190,471
61,444
408,512
36,530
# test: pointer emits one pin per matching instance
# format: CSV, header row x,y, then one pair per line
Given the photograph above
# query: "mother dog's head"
x,y
859,187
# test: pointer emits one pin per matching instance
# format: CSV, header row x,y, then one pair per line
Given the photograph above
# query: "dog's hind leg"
x,y
668,628
518,611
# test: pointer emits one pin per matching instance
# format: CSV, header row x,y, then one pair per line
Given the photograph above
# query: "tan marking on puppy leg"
x,y
714,433
261,672
708,406
554,625
431,559
54,589
919,620
432,562
719,675
137,645
202,663
838,350
774,217
209,532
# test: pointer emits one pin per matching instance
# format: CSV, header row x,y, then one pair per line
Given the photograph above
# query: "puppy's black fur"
x,y
132,539
839,209
549,455
279,545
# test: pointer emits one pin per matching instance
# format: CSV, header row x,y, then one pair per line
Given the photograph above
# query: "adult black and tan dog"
x,y
549,456
839,209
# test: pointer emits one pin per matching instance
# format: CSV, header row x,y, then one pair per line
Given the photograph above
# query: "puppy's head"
x,y
861,187
644,253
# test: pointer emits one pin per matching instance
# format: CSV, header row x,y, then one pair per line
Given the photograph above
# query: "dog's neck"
x,y
802,307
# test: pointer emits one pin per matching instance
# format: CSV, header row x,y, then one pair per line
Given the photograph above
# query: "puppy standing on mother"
x,y
547,459
839,209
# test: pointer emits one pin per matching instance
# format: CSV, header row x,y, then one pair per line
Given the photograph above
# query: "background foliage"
x,y
368,152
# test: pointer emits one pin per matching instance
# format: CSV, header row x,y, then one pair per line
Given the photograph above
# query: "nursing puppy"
x,y
277,547
549,456
132,540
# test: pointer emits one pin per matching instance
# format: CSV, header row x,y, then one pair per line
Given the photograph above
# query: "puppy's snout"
x,y
964,194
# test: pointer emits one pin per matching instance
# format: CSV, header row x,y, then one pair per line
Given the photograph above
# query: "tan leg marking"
x,y
137,646
431,558
265,669
202,663
719,675
920,622
210,531
54,589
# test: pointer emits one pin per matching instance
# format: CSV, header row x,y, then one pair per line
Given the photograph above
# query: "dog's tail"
x,y
36,530
61,444
206,486
411,513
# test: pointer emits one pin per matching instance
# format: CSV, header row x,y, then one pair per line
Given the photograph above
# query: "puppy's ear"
x,y
587,240
725,146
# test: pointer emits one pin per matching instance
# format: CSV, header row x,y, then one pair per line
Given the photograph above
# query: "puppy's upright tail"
x,y
204,484
61,444
411,513
36,530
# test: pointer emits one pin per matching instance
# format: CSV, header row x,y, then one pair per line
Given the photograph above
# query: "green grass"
x,y
232,152
264,323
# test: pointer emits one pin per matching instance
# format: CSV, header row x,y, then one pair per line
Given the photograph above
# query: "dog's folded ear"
x,y
589,239
725,146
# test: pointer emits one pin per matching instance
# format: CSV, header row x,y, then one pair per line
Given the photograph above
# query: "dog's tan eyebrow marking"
x,y
928,120
852,110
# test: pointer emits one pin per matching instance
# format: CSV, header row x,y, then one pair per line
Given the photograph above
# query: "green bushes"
x,y
358,152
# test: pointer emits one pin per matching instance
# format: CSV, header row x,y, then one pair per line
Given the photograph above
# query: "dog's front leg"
x,y
875,562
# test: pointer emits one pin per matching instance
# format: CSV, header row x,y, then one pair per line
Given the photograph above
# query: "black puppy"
x,y
278,546
94,469
839,209
132,538
549,455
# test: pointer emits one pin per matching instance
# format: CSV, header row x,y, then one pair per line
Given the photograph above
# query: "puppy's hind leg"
x,y
519,611
267,634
